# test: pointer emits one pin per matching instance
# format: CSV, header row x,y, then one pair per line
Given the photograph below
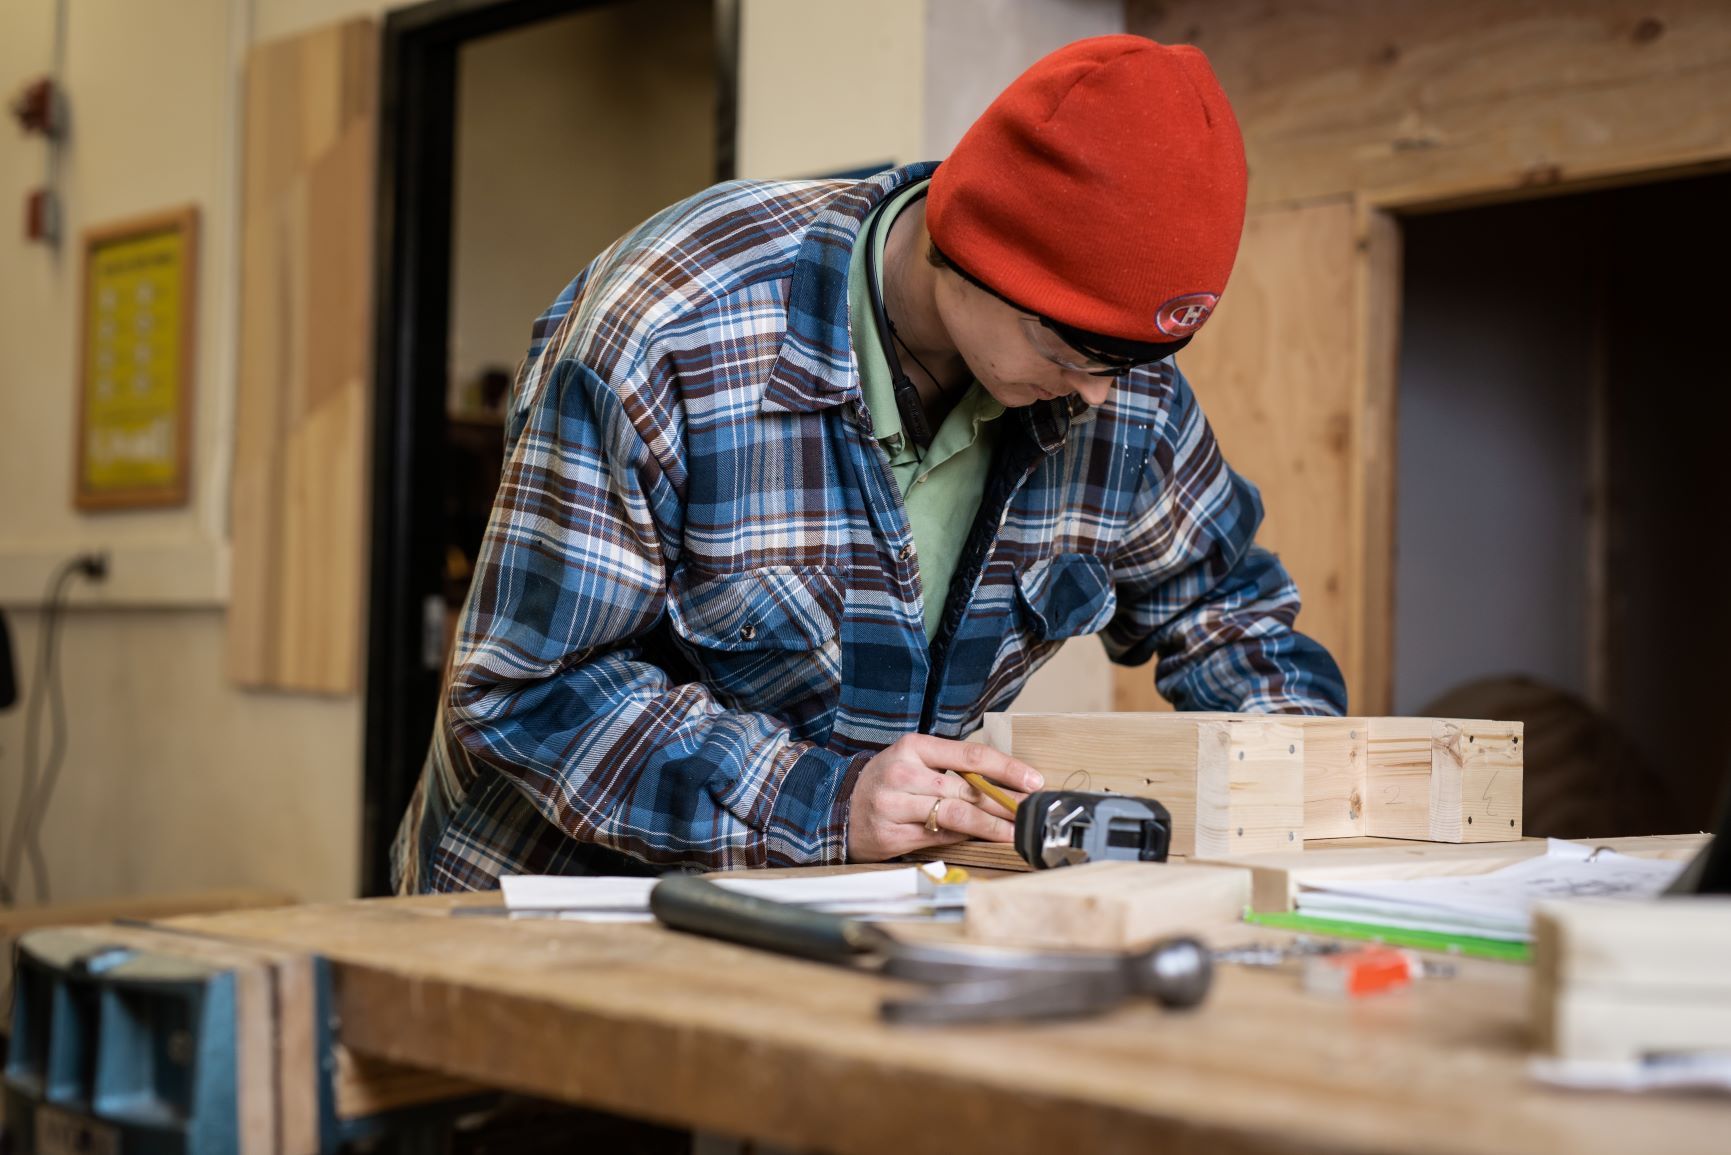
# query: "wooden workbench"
x,y
701,1034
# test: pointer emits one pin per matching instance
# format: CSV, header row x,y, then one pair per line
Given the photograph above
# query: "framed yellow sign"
x,y
137,344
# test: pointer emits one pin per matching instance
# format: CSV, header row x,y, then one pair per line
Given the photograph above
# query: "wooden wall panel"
x,y
1283,373
1427,99
1410,106
299,493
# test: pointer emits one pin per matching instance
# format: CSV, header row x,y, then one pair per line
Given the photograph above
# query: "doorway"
x,y
1561,480
517,139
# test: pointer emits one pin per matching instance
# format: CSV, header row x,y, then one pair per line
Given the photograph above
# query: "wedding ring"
x,y
932,826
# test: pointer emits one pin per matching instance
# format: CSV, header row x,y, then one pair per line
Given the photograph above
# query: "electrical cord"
x,y
37,782
919,455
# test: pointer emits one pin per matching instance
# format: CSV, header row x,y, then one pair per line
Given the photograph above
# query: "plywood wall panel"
x,y
1280,371
1426,98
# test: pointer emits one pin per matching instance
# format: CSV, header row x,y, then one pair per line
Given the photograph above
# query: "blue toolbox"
x,y
133,1040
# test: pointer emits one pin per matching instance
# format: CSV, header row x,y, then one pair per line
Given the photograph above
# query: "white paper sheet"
x,y
1495,905
1703,1071
555,892
875,893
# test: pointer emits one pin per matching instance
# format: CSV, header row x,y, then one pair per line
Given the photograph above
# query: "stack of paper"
x,y
909,893
1498,905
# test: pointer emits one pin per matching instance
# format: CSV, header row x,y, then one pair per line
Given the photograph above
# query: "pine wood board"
x,y
1443,779
298,496
1112,905
1334,777
1616,981
1232,783
703,1034
1425,102
974,855
1601,1026
1679,944
1275,372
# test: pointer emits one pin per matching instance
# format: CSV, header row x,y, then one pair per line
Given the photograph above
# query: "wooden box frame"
x,y
1253,783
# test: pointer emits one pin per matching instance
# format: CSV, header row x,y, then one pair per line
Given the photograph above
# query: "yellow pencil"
x,y
990,791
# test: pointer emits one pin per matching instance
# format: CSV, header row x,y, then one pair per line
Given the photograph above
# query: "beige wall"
x,y
150,132
827,86
824,89
174,780
568,134
974,48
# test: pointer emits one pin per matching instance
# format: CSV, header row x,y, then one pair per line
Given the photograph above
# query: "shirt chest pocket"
x,y
766,640
1066,596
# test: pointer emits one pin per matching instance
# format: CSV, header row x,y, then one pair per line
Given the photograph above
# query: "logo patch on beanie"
x,y
1182,316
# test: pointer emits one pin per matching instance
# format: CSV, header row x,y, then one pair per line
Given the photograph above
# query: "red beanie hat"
x,y
1103,189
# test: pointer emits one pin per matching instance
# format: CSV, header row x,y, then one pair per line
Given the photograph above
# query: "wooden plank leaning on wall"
x,y
299,497
1354,111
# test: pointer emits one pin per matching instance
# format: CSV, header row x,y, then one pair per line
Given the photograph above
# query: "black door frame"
x,y
412,272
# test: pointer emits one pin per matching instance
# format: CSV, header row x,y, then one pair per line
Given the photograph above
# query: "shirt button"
x,y
747,632
905,552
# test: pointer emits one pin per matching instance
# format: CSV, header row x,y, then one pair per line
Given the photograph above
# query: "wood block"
x,y
1335,752
974,855
1619,980
1106,905
1233,783
1444,780
1602,1026
1335,758
1681,944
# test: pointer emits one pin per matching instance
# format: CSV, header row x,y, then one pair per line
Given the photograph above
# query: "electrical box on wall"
x,y
40,107
42,216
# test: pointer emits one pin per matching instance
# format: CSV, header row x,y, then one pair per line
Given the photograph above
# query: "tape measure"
x,y
1069,827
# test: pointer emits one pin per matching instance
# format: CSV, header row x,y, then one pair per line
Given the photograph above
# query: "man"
x,y
806,477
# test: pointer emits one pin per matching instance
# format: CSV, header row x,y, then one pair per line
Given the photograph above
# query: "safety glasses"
x,y
1071,348
1061,353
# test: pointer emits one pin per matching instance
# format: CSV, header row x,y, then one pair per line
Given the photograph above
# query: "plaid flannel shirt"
x,y
697,611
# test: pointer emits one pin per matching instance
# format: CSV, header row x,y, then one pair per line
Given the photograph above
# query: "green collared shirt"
x,y
941,487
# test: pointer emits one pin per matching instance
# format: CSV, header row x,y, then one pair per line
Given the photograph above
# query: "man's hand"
x,y
895,796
